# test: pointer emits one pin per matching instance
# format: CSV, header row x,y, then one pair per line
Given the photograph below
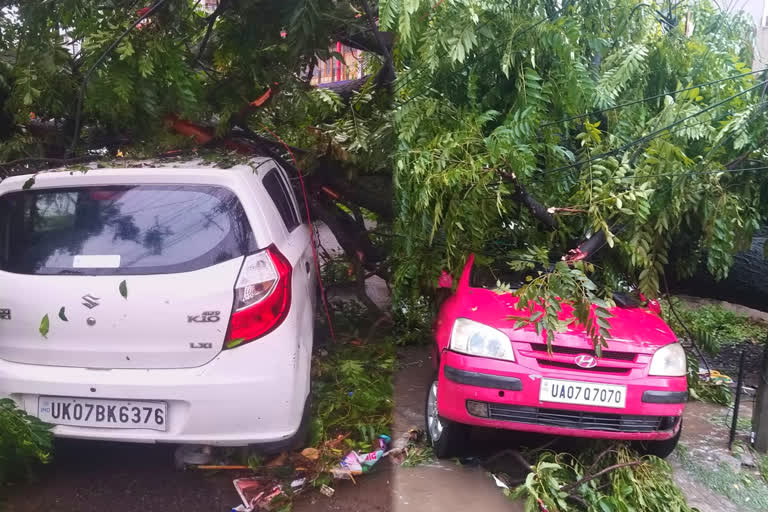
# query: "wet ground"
x,y
440,486
88,476
706,470
118,477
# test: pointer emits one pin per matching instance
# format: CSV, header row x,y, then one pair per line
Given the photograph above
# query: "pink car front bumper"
x,y
654,405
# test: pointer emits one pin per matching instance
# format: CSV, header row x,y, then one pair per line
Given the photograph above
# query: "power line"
x,y
687,173
102,57
726,114
493,48
653,134
649,98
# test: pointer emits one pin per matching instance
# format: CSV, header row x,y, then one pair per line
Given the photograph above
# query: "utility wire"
x,y
732,112
102,57
653,134
664,175
649,98
494,48
685,327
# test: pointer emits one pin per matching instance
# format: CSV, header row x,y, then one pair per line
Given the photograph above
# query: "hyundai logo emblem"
x,y
586,361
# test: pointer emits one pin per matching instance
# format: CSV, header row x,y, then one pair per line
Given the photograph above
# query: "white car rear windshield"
x,y
136,229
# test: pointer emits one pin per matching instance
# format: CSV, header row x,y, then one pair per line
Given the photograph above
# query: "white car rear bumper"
x,y
253,394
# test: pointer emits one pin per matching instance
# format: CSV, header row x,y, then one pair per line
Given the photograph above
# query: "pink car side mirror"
x,y
652,304
445,280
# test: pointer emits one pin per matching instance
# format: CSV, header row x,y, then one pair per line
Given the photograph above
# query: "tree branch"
x,y
351,238
574,485
589,247
211,21
54,161
521,195
386,76
360,41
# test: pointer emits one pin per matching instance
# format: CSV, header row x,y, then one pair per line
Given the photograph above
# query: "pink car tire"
x,y
447,438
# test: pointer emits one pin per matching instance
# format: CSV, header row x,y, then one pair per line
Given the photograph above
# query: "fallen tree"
x,y
538,131
82,80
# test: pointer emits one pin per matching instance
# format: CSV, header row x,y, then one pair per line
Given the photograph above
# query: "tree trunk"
x,y
746,284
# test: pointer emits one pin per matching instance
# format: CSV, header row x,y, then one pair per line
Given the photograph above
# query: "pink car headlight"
x,y
669,361
476,339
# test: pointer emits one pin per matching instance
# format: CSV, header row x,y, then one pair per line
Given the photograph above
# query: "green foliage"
x,y
563,482
709,391
763,467
352,393
714,326
24,440
542,299
412,319
418,455
173,63
487,96
44,326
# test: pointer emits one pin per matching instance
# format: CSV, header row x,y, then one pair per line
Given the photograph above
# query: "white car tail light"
x,y
262,297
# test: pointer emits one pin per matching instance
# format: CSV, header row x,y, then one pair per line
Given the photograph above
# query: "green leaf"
x,y
520,323
124,289
235,343
28,184
44,326
62,315
603,313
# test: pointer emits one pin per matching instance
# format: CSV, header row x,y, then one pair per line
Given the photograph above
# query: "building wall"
x,y
329,70
210,5
758,9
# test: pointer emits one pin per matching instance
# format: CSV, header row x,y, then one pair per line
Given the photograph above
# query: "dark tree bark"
x,y
521,195
746,284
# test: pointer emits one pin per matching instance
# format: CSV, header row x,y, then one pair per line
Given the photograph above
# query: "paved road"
x,y
99,477
444,486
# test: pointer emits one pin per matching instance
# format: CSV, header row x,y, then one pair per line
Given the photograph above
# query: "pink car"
x,y
491,375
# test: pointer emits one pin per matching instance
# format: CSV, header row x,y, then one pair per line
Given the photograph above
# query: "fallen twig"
x,y
586,479
514,453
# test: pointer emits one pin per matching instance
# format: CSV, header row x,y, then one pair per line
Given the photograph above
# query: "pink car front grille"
x,y
580,419
606,354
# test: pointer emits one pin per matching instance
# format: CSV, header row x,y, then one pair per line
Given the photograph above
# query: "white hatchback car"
x,y
158,304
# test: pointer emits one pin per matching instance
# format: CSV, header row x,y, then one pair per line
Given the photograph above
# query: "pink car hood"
x,y
632,329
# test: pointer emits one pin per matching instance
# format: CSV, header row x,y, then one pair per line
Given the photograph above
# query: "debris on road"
x,y
327,491
714,376
218,467
400,446
257,493
311,453
498,482
354,464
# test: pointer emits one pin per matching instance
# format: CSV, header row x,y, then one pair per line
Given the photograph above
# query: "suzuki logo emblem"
x,y
90,301
586,361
